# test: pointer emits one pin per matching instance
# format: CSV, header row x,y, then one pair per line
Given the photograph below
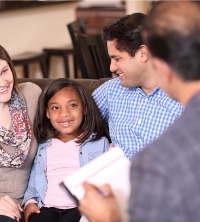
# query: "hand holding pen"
x,y
99,204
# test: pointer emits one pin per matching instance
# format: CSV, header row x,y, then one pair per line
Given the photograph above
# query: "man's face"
x,y
129,69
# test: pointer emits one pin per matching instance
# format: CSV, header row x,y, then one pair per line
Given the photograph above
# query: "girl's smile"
x,y
66,114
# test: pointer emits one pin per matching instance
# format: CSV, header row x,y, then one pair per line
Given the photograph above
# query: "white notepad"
x,y
111,167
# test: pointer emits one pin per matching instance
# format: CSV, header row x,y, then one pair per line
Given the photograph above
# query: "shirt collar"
x,y
154,91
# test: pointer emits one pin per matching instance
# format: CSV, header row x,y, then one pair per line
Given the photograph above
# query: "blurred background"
x,y
35,25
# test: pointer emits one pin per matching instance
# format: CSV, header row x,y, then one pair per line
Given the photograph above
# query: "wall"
x,y
35,28
137,6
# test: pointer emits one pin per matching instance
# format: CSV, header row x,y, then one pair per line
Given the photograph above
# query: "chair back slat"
x,y
74,28
95,55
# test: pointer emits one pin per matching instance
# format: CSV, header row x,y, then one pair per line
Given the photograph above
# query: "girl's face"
x,y
65,112
6,82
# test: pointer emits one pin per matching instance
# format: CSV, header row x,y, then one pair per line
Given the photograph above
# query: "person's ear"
x,y
163,69
47,114
144,53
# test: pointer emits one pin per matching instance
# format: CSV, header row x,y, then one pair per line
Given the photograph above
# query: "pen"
x,y
103,192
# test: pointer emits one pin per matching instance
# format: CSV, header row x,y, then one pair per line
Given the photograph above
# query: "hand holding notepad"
x,y
111,168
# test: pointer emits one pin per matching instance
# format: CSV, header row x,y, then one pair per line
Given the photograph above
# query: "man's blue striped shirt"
x,y
134,118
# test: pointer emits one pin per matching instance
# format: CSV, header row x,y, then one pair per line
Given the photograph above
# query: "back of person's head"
x,y
126,32
92,121
6,57
172,33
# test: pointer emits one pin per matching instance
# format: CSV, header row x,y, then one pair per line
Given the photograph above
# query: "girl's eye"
x,y
54,108
73,105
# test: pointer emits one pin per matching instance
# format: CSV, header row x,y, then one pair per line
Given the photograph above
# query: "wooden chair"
x,y
95,56
74,28
64,53
27,58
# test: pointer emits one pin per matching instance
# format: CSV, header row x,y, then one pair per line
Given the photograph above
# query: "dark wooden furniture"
x,y
74,28
64,53
15,5
95,57
95,18
25,59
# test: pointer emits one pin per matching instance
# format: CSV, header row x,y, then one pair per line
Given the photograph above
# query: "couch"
x,y
90,84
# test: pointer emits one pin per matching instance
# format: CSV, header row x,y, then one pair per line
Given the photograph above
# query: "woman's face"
x,y
6,82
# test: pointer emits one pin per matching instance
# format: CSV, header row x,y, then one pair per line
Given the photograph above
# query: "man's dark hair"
x,y
172,33
126,32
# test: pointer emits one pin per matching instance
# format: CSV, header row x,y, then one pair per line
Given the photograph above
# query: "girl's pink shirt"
x,y
62,160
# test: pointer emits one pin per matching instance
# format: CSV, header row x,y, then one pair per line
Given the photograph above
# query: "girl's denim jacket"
x,y
37,184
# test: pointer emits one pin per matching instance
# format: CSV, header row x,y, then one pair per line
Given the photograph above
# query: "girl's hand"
x,y
31,208
9,208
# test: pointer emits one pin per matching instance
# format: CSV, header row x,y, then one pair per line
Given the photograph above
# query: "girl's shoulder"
x,y
44,144
103,140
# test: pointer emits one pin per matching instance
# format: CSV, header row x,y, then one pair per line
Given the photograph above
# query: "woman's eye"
x,y
4,71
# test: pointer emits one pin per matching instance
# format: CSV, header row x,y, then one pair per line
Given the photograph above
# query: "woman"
x,y
17,143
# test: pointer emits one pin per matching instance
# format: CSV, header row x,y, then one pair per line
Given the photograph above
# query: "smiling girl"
x,y
71,133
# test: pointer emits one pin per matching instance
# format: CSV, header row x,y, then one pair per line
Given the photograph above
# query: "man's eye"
x,y
54,108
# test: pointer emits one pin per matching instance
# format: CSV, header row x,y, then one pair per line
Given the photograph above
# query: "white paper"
x,y
112,168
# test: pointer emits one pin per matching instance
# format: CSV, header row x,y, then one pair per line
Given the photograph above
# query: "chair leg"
x,y
75,66
25,69
48,59
44,68
66,66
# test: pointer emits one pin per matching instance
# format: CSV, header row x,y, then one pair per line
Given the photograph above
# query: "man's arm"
x,y
98,207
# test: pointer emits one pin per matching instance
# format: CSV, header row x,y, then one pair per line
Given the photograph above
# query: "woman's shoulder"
x,y
30,92
29,86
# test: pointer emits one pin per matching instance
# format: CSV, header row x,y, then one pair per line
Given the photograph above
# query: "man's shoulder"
x,y
165,101
110,86
112,82
180,140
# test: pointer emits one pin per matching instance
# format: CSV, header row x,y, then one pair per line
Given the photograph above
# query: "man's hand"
x,y
9,208
98,208
31,208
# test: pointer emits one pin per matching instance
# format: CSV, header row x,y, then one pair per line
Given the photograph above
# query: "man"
x,y
165,178
135,109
